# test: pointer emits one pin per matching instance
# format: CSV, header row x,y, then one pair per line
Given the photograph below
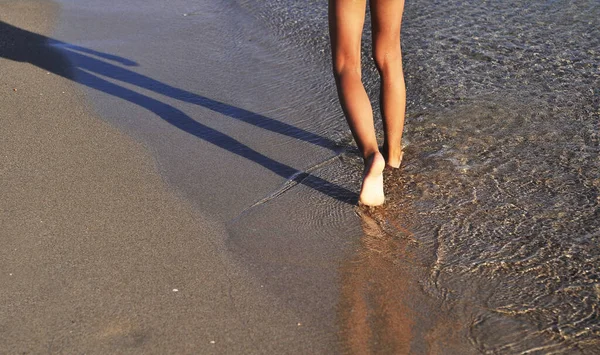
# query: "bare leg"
x,y
346,20
386,22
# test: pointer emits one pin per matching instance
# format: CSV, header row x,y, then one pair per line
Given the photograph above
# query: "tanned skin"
x,y
346,20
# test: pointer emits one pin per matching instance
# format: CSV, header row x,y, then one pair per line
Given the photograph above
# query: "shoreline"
x,y
101,256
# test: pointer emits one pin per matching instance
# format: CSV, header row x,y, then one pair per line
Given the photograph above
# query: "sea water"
x,y
493,220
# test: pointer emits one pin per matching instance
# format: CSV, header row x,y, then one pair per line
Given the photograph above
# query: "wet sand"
x,y
99,255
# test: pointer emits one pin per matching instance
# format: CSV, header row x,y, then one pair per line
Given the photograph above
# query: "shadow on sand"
x,y
86,66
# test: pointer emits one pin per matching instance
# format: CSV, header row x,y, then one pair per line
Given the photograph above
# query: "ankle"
x,y
369,155
393,157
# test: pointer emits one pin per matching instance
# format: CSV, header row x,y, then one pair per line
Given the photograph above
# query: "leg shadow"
x,y
182,121
51,55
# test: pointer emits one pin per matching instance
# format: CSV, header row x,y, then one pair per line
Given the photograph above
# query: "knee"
x,y
346,65
388,59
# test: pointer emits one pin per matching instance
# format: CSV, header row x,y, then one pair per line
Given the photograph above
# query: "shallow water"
x,y
495,211
502,198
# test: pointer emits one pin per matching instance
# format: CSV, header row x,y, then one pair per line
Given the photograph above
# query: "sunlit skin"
x,y
346,20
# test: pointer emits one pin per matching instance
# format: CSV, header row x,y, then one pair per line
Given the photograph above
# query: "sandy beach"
x,y
100,255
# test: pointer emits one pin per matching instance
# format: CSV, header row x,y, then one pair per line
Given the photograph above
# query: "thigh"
x,y
386,20
346,20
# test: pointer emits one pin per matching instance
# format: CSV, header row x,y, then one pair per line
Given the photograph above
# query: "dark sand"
x,y
98,255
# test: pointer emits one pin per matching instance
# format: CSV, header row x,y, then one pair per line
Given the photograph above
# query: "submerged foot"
x,y
371,192
394,160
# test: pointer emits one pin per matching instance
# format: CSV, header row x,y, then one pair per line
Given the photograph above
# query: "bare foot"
x,y
395,161
371,192
393,157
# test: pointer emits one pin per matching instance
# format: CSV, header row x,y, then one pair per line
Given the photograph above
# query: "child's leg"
x,y
386,18
346,19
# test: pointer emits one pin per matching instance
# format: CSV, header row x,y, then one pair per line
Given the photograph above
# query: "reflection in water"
x,y
374,309
508,220
383,308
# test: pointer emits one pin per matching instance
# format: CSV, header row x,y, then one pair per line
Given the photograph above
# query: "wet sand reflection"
x,y
374,308
383,308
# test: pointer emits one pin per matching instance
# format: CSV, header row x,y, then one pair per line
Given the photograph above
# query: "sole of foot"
x,y
371,192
